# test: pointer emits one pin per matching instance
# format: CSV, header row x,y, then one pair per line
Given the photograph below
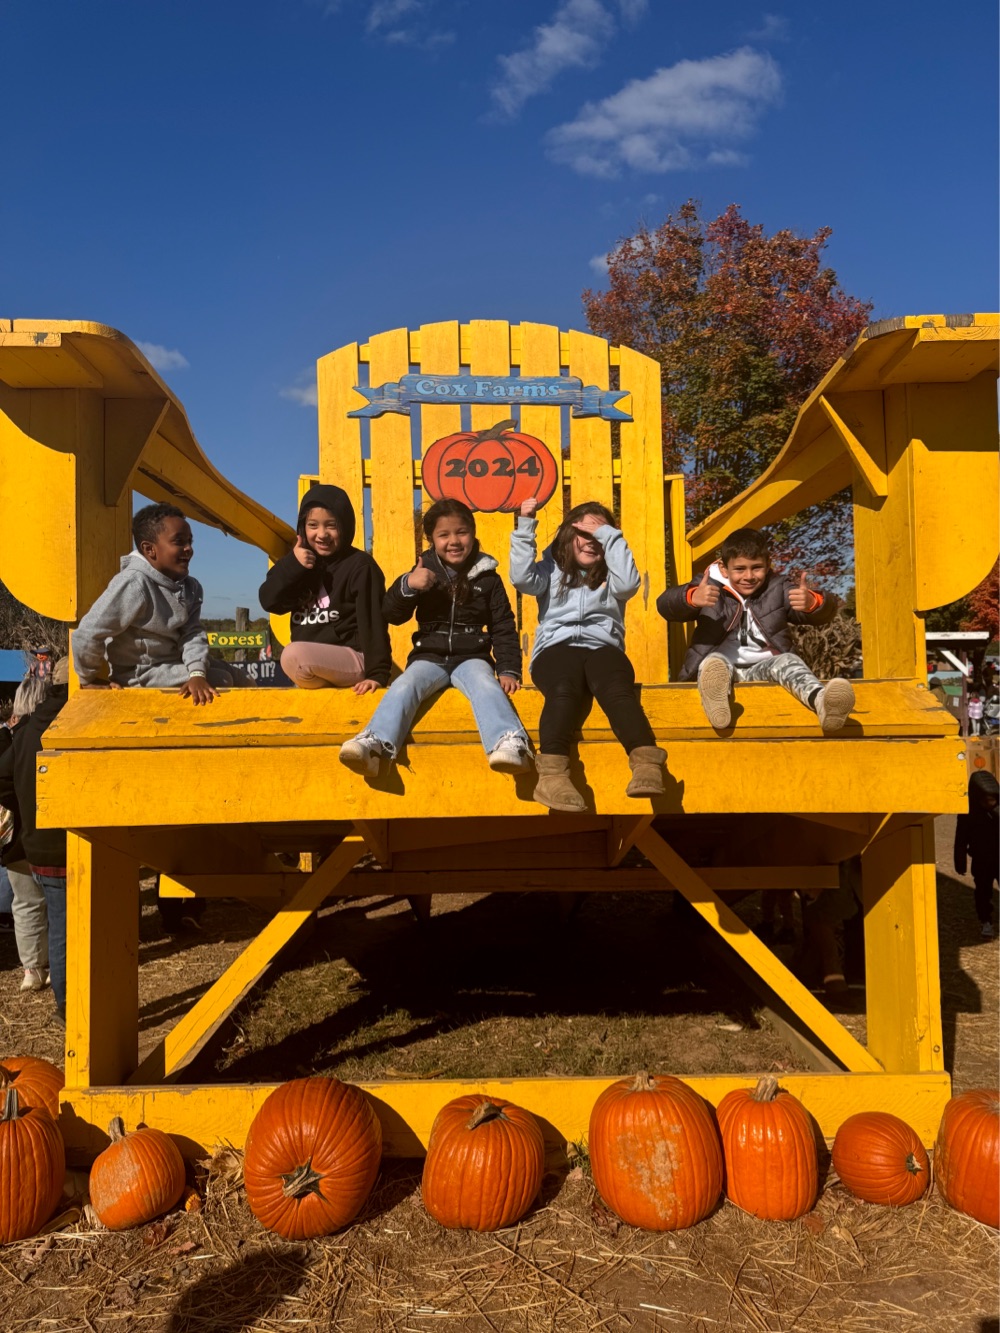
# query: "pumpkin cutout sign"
x,y
490,470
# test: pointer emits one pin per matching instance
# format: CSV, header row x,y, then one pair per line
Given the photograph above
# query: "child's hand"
x,y
366,686
528,507
303,553
706,593
800,598
199,690
589,524
419,578
509,684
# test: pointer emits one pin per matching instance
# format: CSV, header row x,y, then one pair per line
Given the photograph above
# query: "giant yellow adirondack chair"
x,y
907,419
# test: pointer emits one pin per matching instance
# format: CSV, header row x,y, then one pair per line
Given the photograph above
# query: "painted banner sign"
x,y
252,638
586,400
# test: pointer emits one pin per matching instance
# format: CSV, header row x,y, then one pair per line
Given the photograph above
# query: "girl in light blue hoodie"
x,y
582,583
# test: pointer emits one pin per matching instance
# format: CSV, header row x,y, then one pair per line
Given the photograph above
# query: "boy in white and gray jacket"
x,y
147,624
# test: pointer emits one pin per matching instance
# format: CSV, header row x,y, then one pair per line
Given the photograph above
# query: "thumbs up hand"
x,y
800,597
303,552
420,579
706,593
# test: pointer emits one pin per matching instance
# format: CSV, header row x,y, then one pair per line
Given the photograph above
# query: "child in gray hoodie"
x,y
147,623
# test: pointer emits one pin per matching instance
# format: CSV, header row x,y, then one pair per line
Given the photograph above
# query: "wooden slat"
x,y
489,354
159,718
52,364
94,788
340,461
393,543
439,355
590,437
642,516
539,348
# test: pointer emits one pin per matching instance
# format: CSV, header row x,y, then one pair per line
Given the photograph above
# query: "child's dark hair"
x,y
147,522
459,585
562,549
746,542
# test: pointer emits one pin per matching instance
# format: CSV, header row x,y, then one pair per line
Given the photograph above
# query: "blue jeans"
x,y
494,714
54,888
6,894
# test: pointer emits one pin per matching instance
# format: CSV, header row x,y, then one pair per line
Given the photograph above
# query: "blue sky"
x,y
242,187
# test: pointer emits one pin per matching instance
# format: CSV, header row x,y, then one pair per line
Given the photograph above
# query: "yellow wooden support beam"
x,y
833,1035
129,425
872,473
188,1037
622,835
201,1118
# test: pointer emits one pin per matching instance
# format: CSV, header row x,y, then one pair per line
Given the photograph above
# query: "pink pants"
x,y
313,666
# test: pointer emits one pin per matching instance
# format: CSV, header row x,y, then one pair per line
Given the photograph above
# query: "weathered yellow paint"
x,y
393,501
201,1118
539,355
489,354
736,933
590,437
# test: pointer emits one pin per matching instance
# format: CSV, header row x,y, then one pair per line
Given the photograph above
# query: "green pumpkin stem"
x,y
11,1111
494,432
303,1180
116,1130
766,1089
484,1112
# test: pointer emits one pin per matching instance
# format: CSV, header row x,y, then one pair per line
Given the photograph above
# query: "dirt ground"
x,y
505,985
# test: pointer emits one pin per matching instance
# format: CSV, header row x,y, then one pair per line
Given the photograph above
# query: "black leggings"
x,y
571,679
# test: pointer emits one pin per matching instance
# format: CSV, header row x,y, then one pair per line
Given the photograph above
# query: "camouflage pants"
x,y
786,669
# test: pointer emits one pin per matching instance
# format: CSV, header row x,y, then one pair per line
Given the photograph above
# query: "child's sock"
x,y
814,696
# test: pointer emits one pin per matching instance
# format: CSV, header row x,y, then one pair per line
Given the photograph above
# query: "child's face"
x,y
452,540
322,531
587,551
173,549
746,573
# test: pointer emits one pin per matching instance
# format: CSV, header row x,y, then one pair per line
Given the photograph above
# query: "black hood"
x,y
337,502
982,786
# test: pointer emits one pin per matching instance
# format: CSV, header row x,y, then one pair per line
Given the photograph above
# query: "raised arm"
x,y
527,575
623,577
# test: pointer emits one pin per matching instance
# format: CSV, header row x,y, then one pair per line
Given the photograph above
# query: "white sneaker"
x,y
509,755
986,932
714,684
834,703
361,756
35,978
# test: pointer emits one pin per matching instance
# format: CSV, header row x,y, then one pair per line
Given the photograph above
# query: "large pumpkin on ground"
x,y
138,1177
38,1082
880,1159
484,1163
311,1157
655,1152
489,470
769,1143
32,1168
967,1155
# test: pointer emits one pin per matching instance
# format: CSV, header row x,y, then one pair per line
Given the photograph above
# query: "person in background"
x,y
44,850
976,840
975,711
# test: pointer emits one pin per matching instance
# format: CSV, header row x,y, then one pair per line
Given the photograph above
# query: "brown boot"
x,y
646,764
554,788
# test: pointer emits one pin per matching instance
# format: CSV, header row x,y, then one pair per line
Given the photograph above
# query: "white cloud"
x,y
304,394
633,10
572,40
599,263
772,28
163,358
405,23
683,116
386,13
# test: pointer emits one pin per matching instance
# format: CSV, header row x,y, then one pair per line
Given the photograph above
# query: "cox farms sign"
x,y
586,400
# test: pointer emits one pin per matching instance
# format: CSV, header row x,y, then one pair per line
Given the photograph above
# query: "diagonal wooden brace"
x,y
188,1037
833,1035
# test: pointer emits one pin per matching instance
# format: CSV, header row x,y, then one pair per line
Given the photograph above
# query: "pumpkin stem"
x,y
494,432
303,1180
912,1165
766,1089
484,1112
643,1083
11,1110
116,1130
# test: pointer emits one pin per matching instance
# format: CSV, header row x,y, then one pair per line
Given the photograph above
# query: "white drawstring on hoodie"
x,y
751,642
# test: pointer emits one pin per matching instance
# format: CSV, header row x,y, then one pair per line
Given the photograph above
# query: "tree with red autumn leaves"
x,y
744,326
983,604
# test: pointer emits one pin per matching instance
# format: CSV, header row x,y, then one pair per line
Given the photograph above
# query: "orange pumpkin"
x,y
967,1155
311,1157
32,1168
484,1163
490,470
880,1159
38,1082
769,1142
655,1152
138,1177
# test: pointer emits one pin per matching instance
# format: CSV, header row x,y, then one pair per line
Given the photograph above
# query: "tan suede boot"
x,y
646,764
554,788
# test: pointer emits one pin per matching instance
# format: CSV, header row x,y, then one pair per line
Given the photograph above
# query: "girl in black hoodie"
x,y
334,593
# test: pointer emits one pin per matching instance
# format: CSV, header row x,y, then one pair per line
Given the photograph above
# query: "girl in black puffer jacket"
x,y
466,636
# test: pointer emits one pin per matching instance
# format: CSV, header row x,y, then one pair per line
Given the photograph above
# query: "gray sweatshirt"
x,y
147,625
